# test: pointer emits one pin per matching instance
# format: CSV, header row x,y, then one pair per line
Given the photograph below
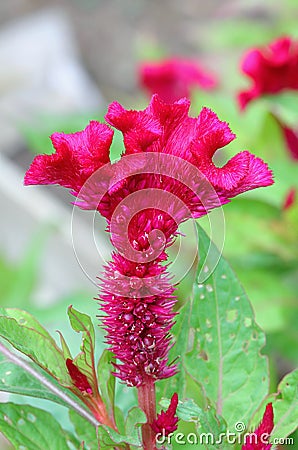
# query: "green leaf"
x,y
135,418
85,431
182,383
106,380
108,437
224,342
16,380
206,421
27,427
82,323
26,334
65,349
285,407
284,105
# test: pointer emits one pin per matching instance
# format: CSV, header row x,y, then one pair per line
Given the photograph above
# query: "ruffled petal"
x,y
258,175
140,129
77,157
212,132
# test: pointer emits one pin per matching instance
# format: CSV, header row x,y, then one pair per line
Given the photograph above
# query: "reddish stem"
x,y
146,397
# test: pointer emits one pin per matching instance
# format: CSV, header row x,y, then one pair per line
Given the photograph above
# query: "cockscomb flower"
x,y
272,69
166,421
174,78
165,176
259,439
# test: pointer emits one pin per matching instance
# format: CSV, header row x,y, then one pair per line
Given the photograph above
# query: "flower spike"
x,y
259,439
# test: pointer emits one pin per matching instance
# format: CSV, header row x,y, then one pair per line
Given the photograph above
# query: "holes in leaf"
x,y
232,315
191,338
208,323
203,355
7,419
245,346
254,335
209,288
237,298
247,322
208,337
31,417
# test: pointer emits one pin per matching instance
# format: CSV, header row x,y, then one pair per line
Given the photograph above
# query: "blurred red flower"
x,y
174,78
271,69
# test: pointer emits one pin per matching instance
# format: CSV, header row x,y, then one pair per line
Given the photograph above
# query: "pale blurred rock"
x,y
41,71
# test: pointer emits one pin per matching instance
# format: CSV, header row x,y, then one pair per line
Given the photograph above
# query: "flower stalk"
x,y
147,402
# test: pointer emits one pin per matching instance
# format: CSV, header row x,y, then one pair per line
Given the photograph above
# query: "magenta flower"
x,y
291,138
271,69
174,78
259,439
290,199
166,421
168,154
165,176
79,379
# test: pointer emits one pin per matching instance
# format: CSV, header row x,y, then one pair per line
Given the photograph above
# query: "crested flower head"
x,y
259,439
272,69
164,129
194,140
174,78
165,176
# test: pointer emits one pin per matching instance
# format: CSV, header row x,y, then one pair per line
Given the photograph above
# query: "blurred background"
x,y
61,63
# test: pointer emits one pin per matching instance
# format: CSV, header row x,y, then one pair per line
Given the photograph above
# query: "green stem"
x,y
146,397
